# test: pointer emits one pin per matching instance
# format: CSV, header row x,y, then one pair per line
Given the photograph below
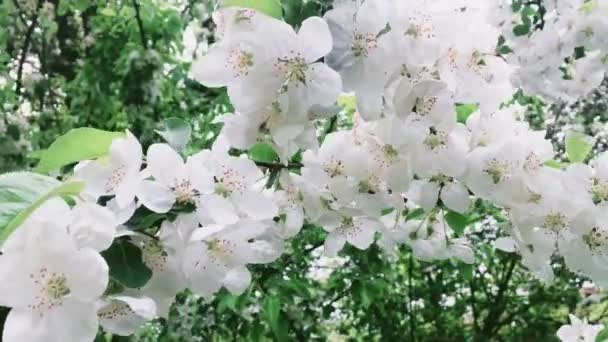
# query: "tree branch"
x,y
410,293
26,47
140,24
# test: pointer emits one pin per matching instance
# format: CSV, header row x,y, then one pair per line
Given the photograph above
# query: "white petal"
x,y
93,226
424,193
87,275
211,69
506,244
126,191
256,205
237,280
164,163
72,321
20,291
219,209
456,197
334,243
123,315
126,152
362,236
314,38
155,196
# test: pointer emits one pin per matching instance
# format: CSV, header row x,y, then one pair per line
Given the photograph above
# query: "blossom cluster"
x,y
566,58
408,65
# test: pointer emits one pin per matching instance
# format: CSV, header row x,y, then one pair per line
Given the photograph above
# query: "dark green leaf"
x,y
457,221
126,264
521,30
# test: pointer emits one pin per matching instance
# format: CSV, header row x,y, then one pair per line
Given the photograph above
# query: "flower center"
x,y
294,67
154,256
221,247
599,191
334,168
435,139
117,176
53,287
184,193
555,222
421,26
424,105
498,170
115,310
533,162
240,62
362,44
390,152
57,287
597,241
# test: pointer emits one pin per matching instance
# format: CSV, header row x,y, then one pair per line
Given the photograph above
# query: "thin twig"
x,y
20,12
278,166
26,47
140,24
410,297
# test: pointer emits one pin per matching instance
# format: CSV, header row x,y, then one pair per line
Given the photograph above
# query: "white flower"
x,y
118,175
217,256
345,227
53,287
174,180
431,239
123,315
236,192
579,331
273,58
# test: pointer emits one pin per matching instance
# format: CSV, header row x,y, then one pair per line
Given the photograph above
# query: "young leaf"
x,y
457,221
463,111
264,153
578,147
76,145
269,7
176,133
126,264
21,193
272,312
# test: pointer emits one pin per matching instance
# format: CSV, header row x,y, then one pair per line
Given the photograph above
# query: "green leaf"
x,y
264,153
176,133
467,272
578,147
76,145
457,221
521,30
555,164
414,214
463,111
602,336
126,264
272,312
21,193
270,7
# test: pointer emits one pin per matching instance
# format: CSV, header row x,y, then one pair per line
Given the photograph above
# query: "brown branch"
x,y
20,12
497,309
26,46
140,24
